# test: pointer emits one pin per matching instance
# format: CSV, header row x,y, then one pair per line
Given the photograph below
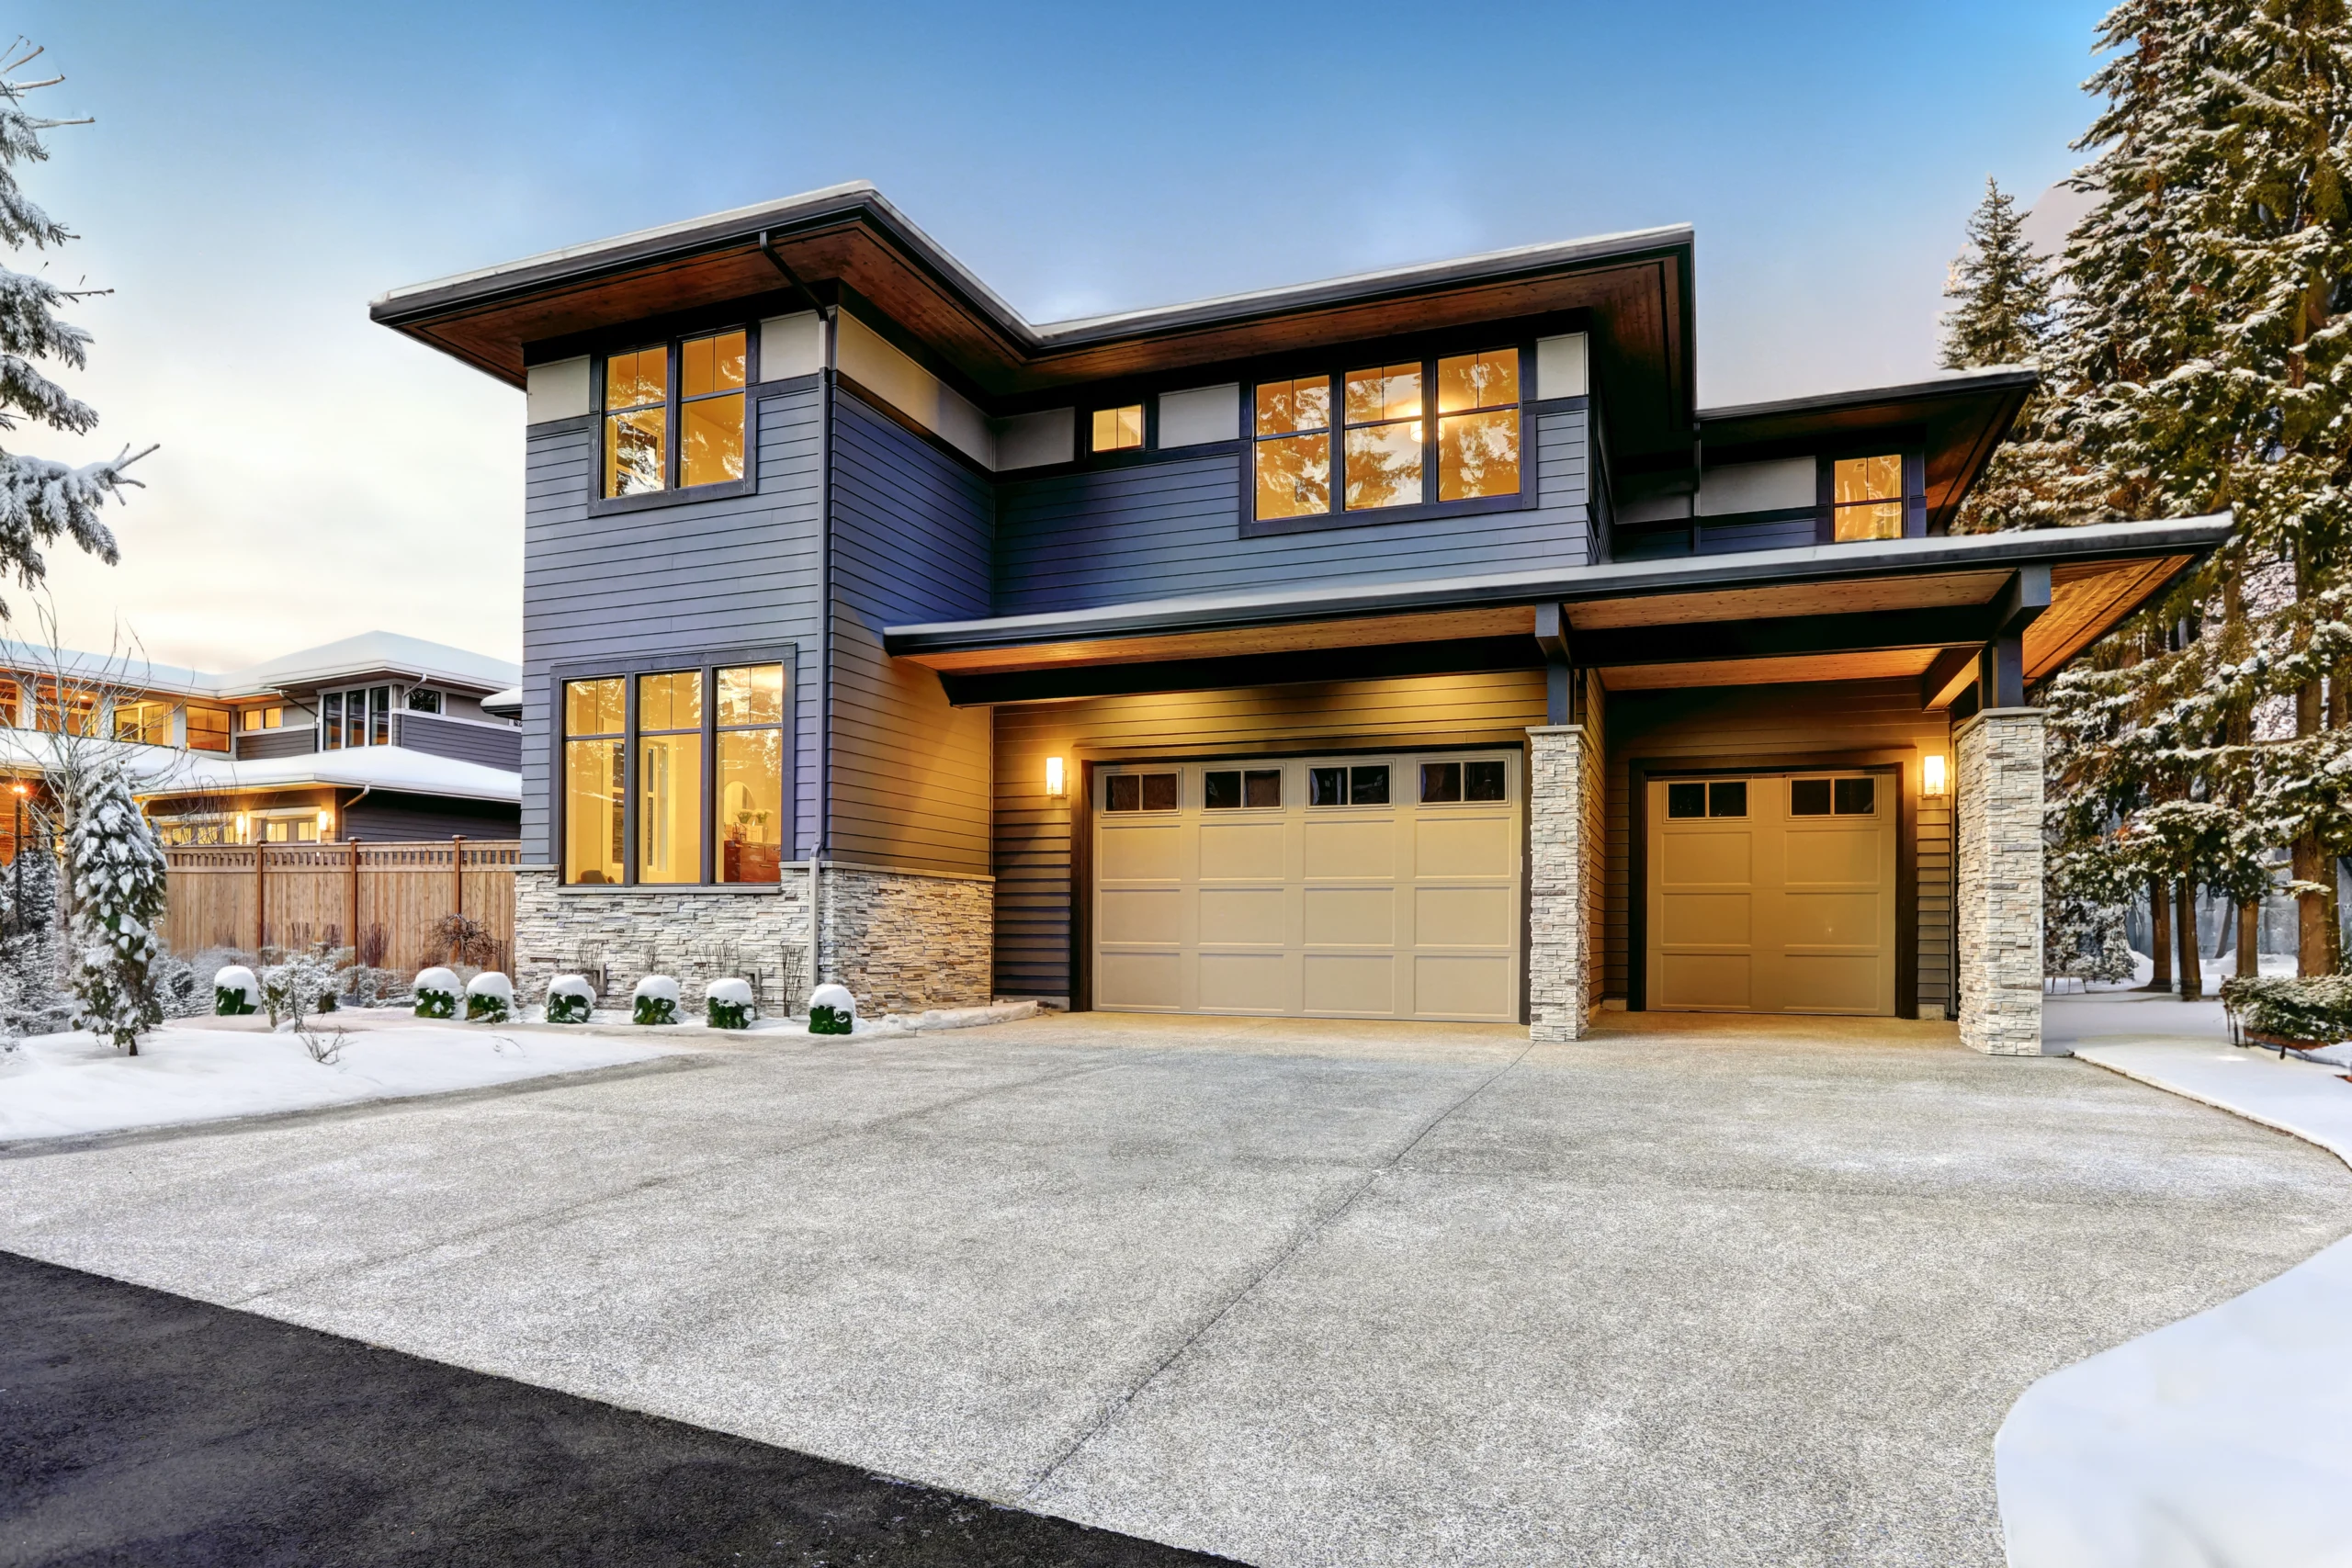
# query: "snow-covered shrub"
x,y
490,999
235,991
369,985
33,998
727,1004
2316,1010
437,991
300,985
832,1010
115,866
570,999
655,1001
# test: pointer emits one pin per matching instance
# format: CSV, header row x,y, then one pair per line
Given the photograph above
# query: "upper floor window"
x,y
11,696
1395,449
362,716
71,712
265,719
1117,429
424,699
145,723
692,386
1866,498
208,729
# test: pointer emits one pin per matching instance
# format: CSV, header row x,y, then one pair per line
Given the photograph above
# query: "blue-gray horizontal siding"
x,y
665,579
1168,529
381,817
494,746
912,532
289,742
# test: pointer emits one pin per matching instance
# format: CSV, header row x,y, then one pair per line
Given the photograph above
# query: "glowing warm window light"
x,y
1054,790
1932,777
326,825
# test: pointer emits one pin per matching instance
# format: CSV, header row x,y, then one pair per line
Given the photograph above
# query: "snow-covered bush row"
x,y
570,999
832,1010
235,991
437,991
490,999
2313,1011
303,983
655,1001
728,1004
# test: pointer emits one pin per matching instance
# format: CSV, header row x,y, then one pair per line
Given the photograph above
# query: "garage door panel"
x,y
1248,851
1251,917
1447,986
1700,859
1350,983
1140,852
1832,919
1459,847
1358,849
1247,982
1464,917
1349,916
1150,981
1832,983
1142,914
1705,980
1819,856
1706,920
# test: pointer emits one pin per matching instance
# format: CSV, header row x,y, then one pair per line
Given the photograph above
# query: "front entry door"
x,y
1772,893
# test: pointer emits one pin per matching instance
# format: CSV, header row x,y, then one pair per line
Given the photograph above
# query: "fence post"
x,y
260,902
352,900
457,897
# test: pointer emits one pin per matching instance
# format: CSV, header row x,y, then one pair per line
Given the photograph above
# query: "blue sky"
x,y
259,172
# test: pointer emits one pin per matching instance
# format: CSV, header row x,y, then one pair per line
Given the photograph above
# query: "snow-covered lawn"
x,y
2227,1437
204,1069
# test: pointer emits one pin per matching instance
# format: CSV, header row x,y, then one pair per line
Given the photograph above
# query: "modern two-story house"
x,y
1406,646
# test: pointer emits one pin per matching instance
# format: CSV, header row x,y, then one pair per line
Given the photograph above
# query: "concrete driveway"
x,y
1755,1292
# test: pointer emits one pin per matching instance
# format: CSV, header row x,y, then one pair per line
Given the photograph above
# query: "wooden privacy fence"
x,y
383,900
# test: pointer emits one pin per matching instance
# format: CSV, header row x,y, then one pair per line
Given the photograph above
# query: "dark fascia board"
x,y
1960,384
1812,563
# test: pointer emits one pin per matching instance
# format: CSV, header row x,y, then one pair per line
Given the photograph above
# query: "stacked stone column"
x,y
1998,897
1559,937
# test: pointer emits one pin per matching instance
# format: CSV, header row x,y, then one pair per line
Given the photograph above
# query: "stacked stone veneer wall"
x,y
901,942
1997,902
1559,933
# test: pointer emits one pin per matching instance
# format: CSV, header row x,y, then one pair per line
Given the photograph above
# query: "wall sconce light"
x,y
18,789
245,826
326,825
1055,788
1931,775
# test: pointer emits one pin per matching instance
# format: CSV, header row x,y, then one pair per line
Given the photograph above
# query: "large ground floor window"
x,y
674,776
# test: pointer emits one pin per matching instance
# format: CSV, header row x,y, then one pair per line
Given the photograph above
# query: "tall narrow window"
x,y
1478,426
669,777
1294,442
636,420
331,721
1383,445
11,696
594,748
380,715
1866,498
1118,430
710,409
750,803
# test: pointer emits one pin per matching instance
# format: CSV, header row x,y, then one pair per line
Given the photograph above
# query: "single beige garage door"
x,y
1328,888
1773,893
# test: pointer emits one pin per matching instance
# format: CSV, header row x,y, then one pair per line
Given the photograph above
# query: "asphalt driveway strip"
x,y
148,1431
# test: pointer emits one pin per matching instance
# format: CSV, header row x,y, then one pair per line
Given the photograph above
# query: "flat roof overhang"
x,y
1636,289
1884,609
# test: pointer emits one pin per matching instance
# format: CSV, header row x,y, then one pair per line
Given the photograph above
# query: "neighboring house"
x,y
377,737
1403,646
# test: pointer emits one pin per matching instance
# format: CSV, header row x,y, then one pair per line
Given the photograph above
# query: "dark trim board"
x,y
1081,889
1640,771
1461,657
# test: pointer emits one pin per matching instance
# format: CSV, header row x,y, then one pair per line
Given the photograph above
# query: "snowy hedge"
x,y
437,991
832,1010
655,1001
490,999
727,1004
235,991
571,998
2313,1012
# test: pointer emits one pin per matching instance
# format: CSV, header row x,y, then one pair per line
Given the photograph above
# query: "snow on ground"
x,y
202,1070
2273,965
2227,1437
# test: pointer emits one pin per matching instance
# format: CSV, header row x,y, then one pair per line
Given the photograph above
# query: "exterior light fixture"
x,y
244,825
18,789
1055,788
1931,776
327,824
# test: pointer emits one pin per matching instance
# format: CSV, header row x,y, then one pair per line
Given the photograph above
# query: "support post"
x,y
457,896
1997,903
1559,937
261,888
351,903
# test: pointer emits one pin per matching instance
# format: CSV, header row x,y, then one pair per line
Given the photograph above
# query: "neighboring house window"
x,y
1866,498
146,724
302,830
208,729
1118,430
265,719
178,830
696,386
424,699
1392,451
75,714
11,696
362,716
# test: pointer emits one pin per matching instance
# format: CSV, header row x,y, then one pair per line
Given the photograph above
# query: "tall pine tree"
x,y
116,863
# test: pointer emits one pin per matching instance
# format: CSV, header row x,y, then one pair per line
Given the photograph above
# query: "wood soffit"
x,y
1877,665
1381,631
1935,591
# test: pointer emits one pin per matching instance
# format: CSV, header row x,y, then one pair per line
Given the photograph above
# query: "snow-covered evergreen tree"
x,y
116,866
33,998
2000,289
40,498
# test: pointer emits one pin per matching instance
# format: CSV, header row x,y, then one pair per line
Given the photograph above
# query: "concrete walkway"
x,y
1757,1292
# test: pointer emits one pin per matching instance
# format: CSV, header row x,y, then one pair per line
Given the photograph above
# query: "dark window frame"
x,y
1429,507
1904,444
709,661
673,402
1088,453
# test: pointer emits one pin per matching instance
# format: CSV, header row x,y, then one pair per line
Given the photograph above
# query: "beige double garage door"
x,y
1353,886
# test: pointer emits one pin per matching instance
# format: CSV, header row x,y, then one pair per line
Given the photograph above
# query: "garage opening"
x,y
1354,887
1772,893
